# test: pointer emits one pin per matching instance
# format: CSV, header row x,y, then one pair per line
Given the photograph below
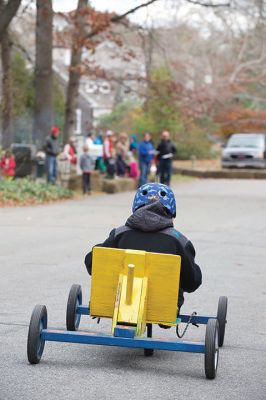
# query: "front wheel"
x,y
35,344
74,300
211,348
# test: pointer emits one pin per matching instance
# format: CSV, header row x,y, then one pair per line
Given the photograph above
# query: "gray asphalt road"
x,y
41,255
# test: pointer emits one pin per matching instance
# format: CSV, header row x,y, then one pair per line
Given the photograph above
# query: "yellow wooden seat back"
x,y
161,270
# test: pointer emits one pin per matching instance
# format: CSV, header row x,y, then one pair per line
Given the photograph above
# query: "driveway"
x,y
41,254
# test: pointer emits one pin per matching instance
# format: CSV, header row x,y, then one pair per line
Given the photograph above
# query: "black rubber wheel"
x,y
149,352
221,317
35,344
74,300
211,348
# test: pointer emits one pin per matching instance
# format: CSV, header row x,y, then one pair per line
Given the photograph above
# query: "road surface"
x,y
41,255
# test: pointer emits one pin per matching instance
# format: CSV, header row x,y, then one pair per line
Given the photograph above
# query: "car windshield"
x,y
246,141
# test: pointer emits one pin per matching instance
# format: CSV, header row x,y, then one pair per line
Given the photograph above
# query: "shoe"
x,y
164,326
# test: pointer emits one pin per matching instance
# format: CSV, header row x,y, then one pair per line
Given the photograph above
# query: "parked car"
x,y
245,150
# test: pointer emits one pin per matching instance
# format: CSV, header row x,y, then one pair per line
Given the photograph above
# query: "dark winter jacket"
x,y
52,146
150,228
166,149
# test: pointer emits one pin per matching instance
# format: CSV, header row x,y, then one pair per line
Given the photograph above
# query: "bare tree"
x,y
8,11
74,74
7,128
42,118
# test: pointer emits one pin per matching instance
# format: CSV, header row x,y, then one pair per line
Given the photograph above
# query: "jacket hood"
x,y
150,218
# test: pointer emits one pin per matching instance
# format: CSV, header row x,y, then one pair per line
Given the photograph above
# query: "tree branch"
x,y
198,3
7,13
117,18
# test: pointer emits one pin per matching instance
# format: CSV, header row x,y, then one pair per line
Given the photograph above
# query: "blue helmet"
x,y
155,191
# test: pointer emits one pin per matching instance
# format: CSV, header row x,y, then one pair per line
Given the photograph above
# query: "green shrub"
x,y
26,191
193,143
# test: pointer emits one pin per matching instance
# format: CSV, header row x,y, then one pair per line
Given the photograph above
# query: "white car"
x,y
245,150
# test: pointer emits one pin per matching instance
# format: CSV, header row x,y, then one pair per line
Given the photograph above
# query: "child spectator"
x,y
8,165
86,166
133,167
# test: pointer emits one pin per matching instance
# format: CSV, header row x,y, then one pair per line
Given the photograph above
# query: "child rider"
x,y
150,228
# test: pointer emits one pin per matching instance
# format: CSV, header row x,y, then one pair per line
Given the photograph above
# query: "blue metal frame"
x,y
196,319
107,340
83,309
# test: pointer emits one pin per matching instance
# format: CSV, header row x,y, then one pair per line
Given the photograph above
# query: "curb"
x,y
221,174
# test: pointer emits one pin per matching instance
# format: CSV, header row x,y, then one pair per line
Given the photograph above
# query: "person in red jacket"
x,y
8,164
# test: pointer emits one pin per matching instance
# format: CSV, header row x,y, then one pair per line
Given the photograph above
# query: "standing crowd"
x,y
125,156
116,155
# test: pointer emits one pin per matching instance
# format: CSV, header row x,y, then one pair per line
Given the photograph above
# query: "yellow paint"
x,y
159,296
107,264
163,272
130,279
128,313
137,258
117,302
141,323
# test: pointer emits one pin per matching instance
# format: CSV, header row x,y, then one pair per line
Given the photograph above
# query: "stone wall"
x,y
101,184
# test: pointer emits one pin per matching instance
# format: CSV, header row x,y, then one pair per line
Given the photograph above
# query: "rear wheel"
x,y
211,349
149,352
35,344
221,317
74,300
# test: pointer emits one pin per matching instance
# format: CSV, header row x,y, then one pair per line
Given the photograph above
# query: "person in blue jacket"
x,y
146,154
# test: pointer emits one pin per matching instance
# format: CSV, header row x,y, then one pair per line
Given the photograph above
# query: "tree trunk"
x,y
42,118
74,74
7,126
8,11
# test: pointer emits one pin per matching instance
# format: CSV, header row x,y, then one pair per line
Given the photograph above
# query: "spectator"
x,y
108,146
111,165
86,166
8,165
133,147
122,147
52,149
89,140
146,154
70,151
133,166
166,150
99,163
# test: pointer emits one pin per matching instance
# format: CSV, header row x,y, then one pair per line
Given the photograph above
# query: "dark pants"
x,y
120,166
144,172
51,165
86,182
165,169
